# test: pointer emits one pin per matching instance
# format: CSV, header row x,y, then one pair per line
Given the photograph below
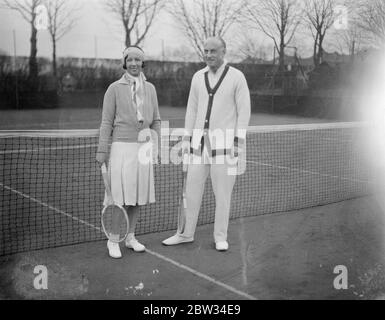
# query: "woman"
x,y
130,110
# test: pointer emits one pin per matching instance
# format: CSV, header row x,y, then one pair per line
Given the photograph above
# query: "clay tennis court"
x,y
289,255
303,208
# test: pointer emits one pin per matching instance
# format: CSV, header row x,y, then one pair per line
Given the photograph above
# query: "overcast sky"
x,y
95,26
99,34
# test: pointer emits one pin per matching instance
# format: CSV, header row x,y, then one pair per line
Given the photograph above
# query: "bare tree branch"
x,y
277,19
136,16
61,19
351,40
319,17
201,19
24,7
372,20
252,50
27,9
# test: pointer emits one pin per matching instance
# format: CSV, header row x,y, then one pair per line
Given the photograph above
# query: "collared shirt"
x,y
214,77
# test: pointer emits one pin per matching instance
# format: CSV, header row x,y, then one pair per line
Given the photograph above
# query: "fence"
x,y
290,92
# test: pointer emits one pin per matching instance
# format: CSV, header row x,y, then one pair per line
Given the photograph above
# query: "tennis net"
x,y
51,189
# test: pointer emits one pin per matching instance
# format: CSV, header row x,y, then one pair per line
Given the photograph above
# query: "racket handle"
x,y
106,183
185,161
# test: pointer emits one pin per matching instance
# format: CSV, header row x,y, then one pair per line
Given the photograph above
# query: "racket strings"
x,y
115,223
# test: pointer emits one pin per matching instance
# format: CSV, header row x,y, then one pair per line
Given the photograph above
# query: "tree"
x,y
252,50
201,19
372,21
277,19
27,9
181,53
350,40
320,18
136,16
61,20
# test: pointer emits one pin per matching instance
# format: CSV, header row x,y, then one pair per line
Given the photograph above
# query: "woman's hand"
x,y
101,157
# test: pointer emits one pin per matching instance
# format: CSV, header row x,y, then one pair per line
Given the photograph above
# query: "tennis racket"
x,y
114,218
182,200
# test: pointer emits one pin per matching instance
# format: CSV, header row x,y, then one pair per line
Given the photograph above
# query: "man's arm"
x,y
242,100
156,122
192,109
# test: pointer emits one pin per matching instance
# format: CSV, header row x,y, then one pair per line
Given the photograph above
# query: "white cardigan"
x,y
230,112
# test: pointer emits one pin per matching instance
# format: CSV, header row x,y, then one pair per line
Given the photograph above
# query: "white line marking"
x,y
308,126
68,133
308,172
43,126
180,131
49,149
49,206
201,275
319,138
182,266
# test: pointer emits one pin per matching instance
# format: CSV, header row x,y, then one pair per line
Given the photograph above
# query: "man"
x,y
218,113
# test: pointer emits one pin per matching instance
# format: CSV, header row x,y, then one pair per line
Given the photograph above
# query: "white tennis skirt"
x,y
131,174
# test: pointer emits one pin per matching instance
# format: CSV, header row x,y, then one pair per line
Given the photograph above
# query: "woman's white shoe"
x,y
114,249
135,245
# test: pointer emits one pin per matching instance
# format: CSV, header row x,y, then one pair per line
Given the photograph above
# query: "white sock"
x,y
114,237
130,236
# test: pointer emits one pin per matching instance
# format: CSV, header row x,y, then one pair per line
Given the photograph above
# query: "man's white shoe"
x,y
114,249
135,245
177,239
221,245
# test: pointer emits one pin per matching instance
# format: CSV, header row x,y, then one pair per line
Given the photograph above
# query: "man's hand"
x,y
185,147
238,147
101,157
156,154
236,151
156,159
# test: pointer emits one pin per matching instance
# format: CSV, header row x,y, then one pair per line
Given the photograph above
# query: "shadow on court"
x,y
279,256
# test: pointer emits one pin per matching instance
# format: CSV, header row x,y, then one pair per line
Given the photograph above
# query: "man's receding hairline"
x,y
219,39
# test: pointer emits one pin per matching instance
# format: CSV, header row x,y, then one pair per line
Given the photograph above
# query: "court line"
x,y
202,275
46,205
295,134
155,254
49,149
42,126
307,171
